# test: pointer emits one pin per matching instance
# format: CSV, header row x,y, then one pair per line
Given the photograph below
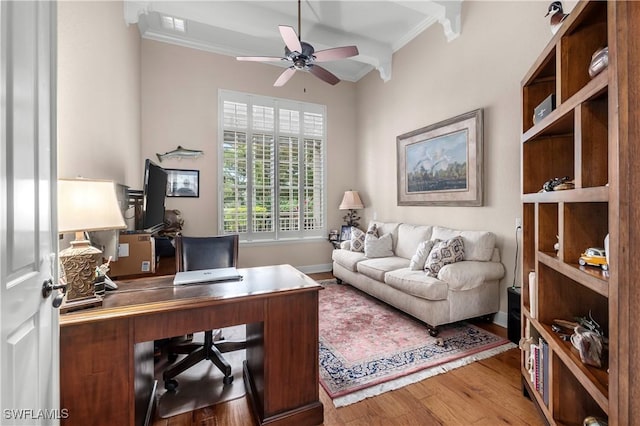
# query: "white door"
x,y
29,382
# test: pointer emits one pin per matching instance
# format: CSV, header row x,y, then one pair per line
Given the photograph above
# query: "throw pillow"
x,y
420,258
444,253
373,229
357,239
378,247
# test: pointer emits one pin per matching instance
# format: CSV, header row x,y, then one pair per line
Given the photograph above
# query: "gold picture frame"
x,y
441,164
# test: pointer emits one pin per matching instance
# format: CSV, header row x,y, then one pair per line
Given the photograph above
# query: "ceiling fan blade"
x,y
260,58
284,77
290,38
336,53
323,74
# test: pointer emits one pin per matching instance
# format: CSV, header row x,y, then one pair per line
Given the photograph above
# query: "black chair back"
x,y
195,253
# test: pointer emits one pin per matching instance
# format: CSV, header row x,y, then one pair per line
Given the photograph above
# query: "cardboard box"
x,y
136,255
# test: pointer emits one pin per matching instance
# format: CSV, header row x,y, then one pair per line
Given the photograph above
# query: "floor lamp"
x,y
85,205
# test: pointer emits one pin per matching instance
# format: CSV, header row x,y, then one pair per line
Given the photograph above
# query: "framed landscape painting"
x,y
441,164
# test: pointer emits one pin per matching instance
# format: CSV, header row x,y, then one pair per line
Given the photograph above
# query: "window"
x,y
272,167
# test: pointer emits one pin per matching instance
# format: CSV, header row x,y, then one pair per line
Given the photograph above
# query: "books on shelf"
x,y
539,368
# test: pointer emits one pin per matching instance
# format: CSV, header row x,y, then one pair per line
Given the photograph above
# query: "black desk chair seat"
x,y
194,253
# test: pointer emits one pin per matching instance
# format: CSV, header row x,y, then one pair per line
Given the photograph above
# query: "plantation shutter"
x,y
273,167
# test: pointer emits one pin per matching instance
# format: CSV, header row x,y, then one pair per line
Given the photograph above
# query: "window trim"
x,y
277,103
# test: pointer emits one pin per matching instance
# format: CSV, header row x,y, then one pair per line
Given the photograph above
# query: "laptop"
x,y
207,276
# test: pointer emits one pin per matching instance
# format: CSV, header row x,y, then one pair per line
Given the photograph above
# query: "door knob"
x,y
47,289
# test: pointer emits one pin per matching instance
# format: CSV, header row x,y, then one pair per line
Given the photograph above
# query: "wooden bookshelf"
x,y
589,137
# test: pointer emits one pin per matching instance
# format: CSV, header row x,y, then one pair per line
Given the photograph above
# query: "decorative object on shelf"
x,y
333,235
557,16
594,421
533,295
589,344
544,108
180,153
556,246
85,205
351,201
562,182
599,61
594,256
441,164
606,248
183,183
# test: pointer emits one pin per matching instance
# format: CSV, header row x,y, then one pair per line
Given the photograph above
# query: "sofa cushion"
x,y
347,258
444,253
377,247
387,228
470,274
417,283
357,239
420,257
409,237
376,268
478,245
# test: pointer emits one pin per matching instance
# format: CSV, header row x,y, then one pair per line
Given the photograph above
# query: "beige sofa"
x,y
465,289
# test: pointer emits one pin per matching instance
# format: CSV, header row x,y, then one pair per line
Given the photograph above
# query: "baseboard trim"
x,y
500,318
315,269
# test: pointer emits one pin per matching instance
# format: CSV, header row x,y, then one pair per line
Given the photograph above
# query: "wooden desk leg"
x,y
281,370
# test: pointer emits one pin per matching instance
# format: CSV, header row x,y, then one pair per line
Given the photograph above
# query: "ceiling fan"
x,y
303,57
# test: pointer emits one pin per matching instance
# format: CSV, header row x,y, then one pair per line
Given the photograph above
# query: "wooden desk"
x,y
106,353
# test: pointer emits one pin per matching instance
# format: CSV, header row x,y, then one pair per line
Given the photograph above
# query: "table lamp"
x,y
85,205
351,201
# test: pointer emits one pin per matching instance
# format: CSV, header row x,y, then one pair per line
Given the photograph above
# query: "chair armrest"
x,y
470,274
345,245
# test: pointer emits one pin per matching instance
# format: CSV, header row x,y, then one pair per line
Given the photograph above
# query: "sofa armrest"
x,y
345,245
470,274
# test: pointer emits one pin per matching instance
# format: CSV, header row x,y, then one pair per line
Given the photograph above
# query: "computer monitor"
x,y
153,195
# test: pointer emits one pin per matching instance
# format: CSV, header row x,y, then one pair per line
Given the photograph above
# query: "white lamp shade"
x,y
88,205
351,201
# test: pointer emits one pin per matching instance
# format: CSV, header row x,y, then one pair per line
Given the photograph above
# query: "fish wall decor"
x,y
180,152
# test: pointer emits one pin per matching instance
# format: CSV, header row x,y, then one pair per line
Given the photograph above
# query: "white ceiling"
x,y
250,27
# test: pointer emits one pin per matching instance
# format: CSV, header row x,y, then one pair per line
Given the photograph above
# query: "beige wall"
x,y
180,107
434,80
98,93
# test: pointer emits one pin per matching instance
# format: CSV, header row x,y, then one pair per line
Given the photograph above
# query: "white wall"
x,y
434,80
180,107
98,93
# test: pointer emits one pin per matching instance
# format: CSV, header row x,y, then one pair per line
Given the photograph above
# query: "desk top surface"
x,y
150,295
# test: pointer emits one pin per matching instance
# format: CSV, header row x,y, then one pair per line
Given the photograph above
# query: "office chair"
x,y
194,253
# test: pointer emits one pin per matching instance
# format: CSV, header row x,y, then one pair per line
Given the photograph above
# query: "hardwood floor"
x,y
485,392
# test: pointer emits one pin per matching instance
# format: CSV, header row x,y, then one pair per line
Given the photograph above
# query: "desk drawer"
x,y
185,321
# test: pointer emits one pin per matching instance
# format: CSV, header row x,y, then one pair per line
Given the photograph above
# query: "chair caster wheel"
x,y
227,380
433,332
171,385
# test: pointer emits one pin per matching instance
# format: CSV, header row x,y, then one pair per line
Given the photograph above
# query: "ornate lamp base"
x,y
79,265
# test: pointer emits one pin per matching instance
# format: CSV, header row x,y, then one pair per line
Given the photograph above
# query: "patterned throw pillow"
x,y
444,253
378,247
357,239
420,258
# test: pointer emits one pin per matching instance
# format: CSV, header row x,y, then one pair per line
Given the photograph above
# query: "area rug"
x,y
368,348
201,385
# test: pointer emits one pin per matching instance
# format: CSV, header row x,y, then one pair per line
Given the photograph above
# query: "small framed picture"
x,y
333,235
345,233
183,183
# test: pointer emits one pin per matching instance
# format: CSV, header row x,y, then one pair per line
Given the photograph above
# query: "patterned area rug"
x,y
368,348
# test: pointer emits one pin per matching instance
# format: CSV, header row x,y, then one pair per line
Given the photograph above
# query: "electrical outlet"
x,y
518,223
